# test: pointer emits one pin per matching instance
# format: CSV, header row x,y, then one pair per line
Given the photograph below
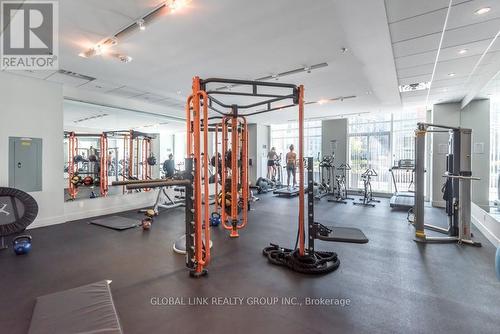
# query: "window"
x,y
370,147
494,148
378,142
284,135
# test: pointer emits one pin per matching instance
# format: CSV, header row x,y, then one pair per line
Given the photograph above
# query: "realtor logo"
x,y
29,40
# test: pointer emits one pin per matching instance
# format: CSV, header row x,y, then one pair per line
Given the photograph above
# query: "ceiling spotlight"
x,y
90,53
343,50
463,51
175,5
452,74
482,11
97,50
141,25
323,101
125,58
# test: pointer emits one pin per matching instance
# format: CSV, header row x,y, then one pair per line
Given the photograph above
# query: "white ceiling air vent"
x,y
76,75
171,103
414,86
89,118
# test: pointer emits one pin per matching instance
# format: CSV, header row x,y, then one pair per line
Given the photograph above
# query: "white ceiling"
x,y
234,39
416,28
250,39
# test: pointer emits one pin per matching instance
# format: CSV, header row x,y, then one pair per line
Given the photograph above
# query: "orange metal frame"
x,y
239,144
103,174
72,147
197,127
103,164
195,141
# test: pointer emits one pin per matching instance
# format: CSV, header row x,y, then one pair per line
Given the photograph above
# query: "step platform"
x,y
341,234
285,192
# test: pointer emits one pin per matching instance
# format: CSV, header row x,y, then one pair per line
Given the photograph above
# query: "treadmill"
x,y
285,192
403,199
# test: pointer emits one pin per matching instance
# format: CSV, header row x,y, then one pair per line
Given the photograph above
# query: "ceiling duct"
x,y
76,75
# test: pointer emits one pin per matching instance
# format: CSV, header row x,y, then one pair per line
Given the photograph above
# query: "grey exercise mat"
x,y
344,234
116,222
86,309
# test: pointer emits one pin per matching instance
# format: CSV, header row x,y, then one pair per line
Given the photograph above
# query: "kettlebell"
x,y
146,224
215,219
22,244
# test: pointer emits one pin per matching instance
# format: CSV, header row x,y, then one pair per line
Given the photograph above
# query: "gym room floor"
x,y
394,284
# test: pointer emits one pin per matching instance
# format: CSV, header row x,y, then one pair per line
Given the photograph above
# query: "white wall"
x,y
442,114
476,116
263,136
33,108
335,129
259,137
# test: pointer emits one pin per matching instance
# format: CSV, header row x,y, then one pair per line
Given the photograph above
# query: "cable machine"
x,y
457,188
231,120
138,157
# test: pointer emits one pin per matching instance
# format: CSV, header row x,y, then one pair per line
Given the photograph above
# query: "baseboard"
x,y
88,208
130,204
47,222
480,219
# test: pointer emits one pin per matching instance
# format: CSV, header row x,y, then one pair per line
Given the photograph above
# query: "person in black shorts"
x,y
271,167
291,166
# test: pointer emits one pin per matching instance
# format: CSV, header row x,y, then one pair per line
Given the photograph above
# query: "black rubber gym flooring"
x,y
394,284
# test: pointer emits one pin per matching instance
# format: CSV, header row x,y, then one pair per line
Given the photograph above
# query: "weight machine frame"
x,y
198,104
460,177
103,158
136,150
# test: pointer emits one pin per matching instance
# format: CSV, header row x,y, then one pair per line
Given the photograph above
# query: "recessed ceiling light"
x,y
463,51
482,11
322,101
452,74
343,50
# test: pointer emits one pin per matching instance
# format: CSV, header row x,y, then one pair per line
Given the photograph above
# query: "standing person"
x,y
271,167
291,166
169,166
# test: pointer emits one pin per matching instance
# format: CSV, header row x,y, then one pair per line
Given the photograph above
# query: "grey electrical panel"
x,y
25,163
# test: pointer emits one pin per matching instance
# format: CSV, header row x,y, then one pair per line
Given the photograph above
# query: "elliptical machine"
x,y
367,191
341,188
327,175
